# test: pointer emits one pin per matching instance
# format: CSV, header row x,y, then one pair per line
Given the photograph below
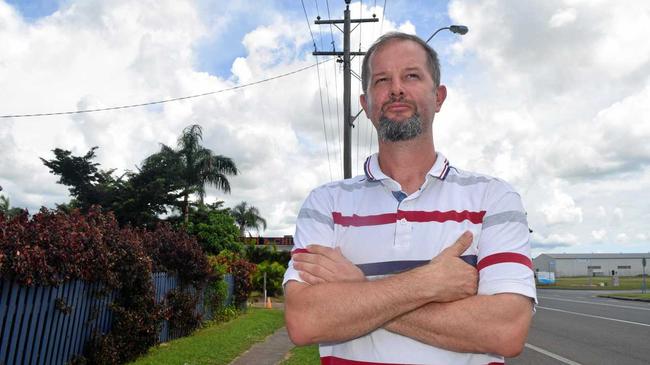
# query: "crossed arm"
x,y
435,304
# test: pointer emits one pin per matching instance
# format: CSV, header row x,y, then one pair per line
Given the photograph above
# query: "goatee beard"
x,y
394,131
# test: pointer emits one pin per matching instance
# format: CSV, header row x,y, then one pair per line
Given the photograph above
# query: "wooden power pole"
x,y
348,119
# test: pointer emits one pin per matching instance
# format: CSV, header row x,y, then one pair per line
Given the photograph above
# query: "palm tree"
x,y
6,209
247,216
196,165
4,204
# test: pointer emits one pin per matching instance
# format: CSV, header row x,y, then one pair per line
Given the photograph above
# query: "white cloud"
x,y
552,96
563,17
618,214
599,235
622,238
561,209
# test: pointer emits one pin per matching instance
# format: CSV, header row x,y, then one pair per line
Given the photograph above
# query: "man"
x,y
414,262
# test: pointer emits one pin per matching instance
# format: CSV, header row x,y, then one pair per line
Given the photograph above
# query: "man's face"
x,y
401,93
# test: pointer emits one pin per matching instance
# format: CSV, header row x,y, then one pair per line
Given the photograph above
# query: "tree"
x,y
6,209
214,229
87,183
135,198
247,216
196,166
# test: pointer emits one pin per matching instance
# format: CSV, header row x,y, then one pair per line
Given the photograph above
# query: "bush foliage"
x,y
274,275
54,246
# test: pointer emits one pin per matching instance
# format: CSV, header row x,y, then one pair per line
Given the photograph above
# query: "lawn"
x,y
305,355
217,344
583,282
645,296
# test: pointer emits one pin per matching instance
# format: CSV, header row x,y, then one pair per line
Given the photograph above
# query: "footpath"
x,y
269,352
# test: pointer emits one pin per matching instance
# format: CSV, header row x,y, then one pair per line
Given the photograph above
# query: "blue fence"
x,y
51,325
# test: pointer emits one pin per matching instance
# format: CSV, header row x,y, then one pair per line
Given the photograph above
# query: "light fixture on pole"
x,y
458,29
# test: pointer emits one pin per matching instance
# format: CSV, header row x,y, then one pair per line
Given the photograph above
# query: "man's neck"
x,y
407,162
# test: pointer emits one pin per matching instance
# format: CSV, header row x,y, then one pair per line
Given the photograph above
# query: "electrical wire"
x,y
165,100
336,91
327,90
320,93
383,12
359,87
308,26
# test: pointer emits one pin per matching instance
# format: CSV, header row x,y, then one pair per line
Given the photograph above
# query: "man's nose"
x,y
396,88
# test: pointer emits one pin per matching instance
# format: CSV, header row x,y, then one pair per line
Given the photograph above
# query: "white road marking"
x,y
592,316
594,303
557,357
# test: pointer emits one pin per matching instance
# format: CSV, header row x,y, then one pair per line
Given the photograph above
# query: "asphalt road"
x,y
576,327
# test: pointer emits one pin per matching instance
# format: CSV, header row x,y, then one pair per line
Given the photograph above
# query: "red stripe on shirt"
x,y
411,216
333,360
504,257
299,250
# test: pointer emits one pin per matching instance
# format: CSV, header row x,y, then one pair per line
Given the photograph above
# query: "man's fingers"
x,y
309,278
462,243
328,252
314,269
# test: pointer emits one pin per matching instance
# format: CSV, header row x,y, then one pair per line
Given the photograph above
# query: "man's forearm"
x,y
339,311
482,323
341,305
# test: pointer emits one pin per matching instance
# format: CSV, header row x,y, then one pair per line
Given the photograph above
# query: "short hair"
x,y
432,57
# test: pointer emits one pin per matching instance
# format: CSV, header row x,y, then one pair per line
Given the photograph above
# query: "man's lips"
x,y
397,107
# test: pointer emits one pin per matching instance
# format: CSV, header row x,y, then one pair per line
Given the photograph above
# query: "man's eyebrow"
x,y
413,68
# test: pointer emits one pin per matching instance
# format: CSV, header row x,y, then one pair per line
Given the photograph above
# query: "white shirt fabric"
x,y
383,231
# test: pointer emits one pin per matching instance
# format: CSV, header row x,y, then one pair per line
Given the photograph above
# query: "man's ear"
x,y
441,95
364,103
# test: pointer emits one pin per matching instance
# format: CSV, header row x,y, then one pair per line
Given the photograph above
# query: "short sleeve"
x,y
314,225
504,260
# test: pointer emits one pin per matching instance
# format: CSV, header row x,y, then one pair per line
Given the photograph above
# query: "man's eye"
x,y
413,76
381,79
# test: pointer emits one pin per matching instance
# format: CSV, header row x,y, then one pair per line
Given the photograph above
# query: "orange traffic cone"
x,y
268,304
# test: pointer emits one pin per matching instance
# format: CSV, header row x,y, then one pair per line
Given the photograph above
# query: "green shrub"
x,y
274,275
219,232
242,272
258,254
55,246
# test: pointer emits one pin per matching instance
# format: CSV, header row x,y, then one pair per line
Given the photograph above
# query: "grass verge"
x,y
645,297
595,283
217,344
305,355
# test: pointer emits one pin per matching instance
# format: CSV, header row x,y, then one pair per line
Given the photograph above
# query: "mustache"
x,y
400,99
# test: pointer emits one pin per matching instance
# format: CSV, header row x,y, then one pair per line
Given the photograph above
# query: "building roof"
x,y
595,255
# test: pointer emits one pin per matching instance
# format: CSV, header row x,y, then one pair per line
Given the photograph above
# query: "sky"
x,y
552,96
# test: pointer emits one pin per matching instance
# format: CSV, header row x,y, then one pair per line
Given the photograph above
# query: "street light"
x,y
458,29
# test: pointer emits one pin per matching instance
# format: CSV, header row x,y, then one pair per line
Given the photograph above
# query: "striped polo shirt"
x,y
385,231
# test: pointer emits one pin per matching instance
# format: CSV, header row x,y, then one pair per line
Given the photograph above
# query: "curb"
x,y
624,298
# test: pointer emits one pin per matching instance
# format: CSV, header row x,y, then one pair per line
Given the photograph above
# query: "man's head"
x,y
433,64
401,82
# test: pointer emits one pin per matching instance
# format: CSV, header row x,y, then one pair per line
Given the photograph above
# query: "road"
x,y
576,327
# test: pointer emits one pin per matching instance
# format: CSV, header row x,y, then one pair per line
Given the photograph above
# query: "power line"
x,y
327,89
308,26
320,91
359,86
165,100
383,12
336,90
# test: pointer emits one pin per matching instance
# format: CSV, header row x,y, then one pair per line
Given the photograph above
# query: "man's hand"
x,y
324,264
448,276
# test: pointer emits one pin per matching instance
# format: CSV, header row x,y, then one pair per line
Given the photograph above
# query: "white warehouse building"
x,y
592,264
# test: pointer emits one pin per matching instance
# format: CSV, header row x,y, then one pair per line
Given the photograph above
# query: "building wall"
x,y
563,267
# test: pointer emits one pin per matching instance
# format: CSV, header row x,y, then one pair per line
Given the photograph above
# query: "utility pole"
x,y
348,119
